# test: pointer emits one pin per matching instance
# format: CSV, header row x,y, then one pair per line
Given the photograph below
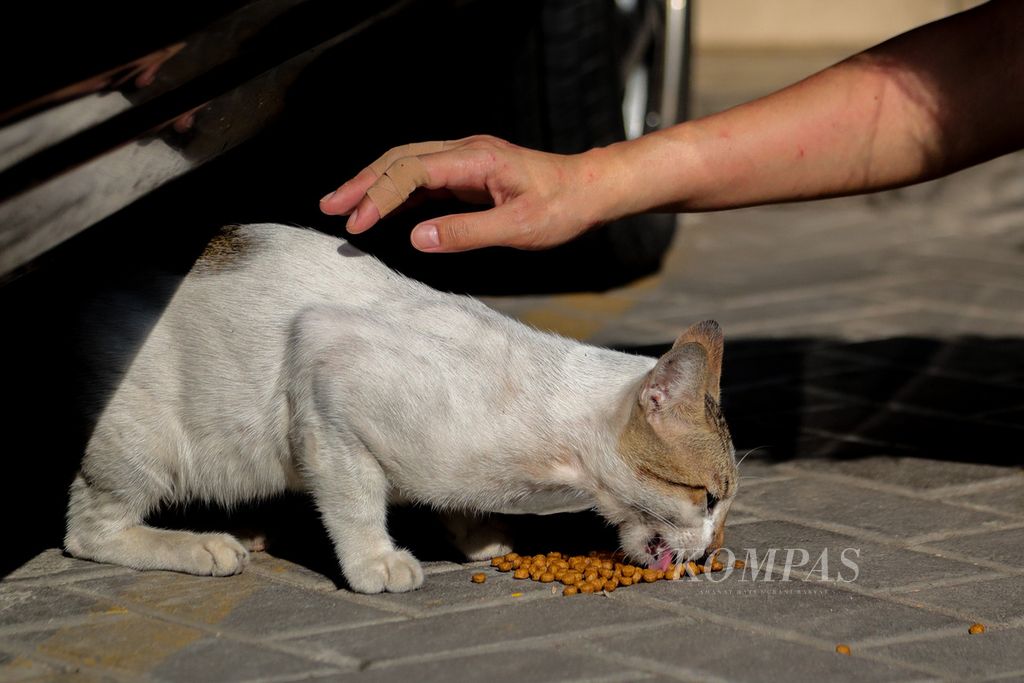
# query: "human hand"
x,y
540,200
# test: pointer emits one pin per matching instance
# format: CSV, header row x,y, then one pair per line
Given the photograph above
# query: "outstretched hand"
x,y
540,200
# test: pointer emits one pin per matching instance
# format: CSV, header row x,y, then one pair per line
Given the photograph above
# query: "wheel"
x,y
614,70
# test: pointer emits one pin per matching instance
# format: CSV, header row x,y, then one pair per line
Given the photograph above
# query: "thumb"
x,y
465,231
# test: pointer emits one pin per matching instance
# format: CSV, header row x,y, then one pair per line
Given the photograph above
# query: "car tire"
x,y
598,58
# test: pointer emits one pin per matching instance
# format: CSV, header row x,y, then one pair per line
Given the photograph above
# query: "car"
x,y
111,111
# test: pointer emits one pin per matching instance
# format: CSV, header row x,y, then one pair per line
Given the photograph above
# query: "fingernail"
x,y
425,237
326,197
351,219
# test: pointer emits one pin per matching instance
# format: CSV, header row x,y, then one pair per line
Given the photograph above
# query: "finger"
x,y
463,171
345,198
461,232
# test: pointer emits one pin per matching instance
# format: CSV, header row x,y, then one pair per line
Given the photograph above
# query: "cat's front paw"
x,y
216,555
394,571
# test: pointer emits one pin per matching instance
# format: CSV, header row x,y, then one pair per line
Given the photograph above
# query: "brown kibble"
x,y
512,557
739,564
479,577
547,577
521,573
628,570
717,566
495,561
610,585
843,649
625,581
976,628
555,554
570,590
606,573
505,567
649,575
586,588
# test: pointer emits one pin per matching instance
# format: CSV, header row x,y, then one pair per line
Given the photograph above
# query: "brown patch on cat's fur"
x,y
227,251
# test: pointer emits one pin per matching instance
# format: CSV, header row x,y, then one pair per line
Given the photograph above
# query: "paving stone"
x,y
291,572
916,473
126,642
991,602
54,564
853,506
15,668
37,604
556,664
741,655
1005,546
965,656
878,566
812,608
218,659
454,589
1005,499
245,603
515,620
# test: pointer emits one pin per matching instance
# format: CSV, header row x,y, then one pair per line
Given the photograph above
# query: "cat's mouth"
x,y
660,553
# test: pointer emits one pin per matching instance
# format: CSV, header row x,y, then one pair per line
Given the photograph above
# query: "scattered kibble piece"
x,y
843,649
975,629
595,572
479,577
739,564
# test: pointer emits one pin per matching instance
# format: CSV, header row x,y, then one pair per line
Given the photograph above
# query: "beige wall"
x,y
811,23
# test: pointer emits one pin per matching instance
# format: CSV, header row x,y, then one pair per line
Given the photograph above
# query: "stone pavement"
x,y
874,369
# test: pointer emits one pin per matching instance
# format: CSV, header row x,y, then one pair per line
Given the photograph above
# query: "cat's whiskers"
x,y
748,453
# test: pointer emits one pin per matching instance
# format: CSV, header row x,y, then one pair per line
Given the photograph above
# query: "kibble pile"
x,y
595,572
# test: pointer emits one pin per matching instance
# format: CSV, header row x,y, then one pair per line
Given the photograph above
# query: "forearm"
x,y
929,102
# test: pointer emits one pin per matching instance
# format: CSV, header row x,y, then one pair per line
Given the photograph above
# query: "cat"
x,y
289,360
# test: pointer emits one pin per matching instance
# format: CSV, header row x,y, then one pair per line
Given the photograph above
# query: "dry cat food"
x,y
843,649
479,577
594,573
975,629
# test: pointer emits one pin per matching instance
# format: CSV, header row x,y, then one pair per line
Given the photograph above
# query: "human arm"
x,y
926,103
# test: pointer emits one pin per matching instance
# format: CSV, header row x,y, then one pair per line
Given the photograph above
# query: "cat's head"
x,y
680,457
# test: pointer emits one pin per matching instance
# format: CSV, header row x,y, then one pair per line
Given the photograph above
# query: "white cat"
x,y
289,360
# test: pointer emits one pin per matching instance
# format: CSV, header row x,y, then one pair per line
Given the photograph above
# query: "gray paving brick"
x,y
556,664
854,506
878,566
993,601
24,605
964,656
455,590
911,472
291,572
517,619
216,659
811,608
999,546
128,642
741,655
53,564
16,668
1006,499
244,603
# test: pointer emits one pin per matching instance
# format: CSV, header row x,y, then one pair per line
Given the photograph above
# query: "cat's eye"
x,y
711,501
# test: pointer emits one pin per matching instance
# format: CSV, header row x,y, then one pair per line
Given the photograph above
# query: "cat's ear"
x,y
678,380
709,335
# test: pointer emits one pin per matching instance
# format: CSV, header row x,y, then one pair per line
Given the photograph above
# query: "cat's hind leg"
x,y
104,527
477,537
